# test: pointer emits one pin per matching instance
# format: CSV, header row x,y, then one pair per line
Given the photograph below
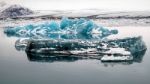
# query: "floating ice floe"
x,y
105,50
66,29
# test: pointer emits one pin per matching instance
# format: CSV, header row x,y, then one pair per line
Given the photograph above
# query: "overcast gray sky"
x,y
83,4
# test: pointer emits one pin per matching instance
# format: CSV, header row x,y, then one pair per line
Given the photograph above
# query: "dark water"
x,y
17,68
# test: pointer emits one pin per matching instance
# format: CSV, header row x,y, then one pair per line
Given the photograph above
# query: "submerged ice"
x,y
66,29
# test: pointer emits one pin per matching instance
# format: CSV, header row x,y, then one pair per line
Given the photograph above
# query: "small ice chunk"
x,y
118,51
116,58
117,54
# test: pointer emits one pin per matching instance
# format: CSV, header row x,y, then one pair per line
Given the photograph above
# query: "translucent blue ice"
x,y
65,29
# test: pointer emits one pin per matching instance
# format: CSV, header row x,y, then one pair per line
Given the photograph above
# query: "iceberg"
x,y
132,49
66,29
79,38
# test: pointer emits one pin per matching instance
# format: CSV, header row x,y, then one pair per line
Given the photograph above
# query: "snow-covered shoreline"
x,y
16,15
103,22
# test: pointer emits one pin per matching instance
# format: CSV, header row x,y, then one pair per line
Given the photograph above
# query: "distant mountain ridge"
x,y
17,12
89,13
14,11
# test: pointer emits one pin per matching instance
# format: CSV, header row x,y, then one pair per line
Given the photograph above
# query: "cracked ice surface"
x,y
66,29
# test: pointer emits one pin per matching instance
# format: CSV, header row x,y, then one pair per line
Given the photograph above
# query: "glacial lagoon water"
x,y
17,68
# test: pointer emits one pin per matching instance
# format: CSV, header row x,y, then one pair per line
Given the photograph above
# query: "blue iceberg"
x,y
75,38
65,29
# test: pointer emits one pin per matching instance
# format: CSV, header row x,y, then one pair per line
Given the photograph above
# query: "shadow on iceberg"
x,y
50,58
55,50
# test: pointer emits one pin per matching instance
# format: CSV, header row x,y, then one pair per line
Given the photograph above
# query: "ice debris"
x,y
66,29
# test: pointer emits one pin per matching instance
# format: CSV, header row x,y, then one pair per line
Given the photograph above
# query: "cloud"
x,y
82,4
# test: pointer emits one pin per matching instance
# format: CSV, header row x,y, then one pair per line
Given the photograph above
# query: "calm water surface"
x,y
16,68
